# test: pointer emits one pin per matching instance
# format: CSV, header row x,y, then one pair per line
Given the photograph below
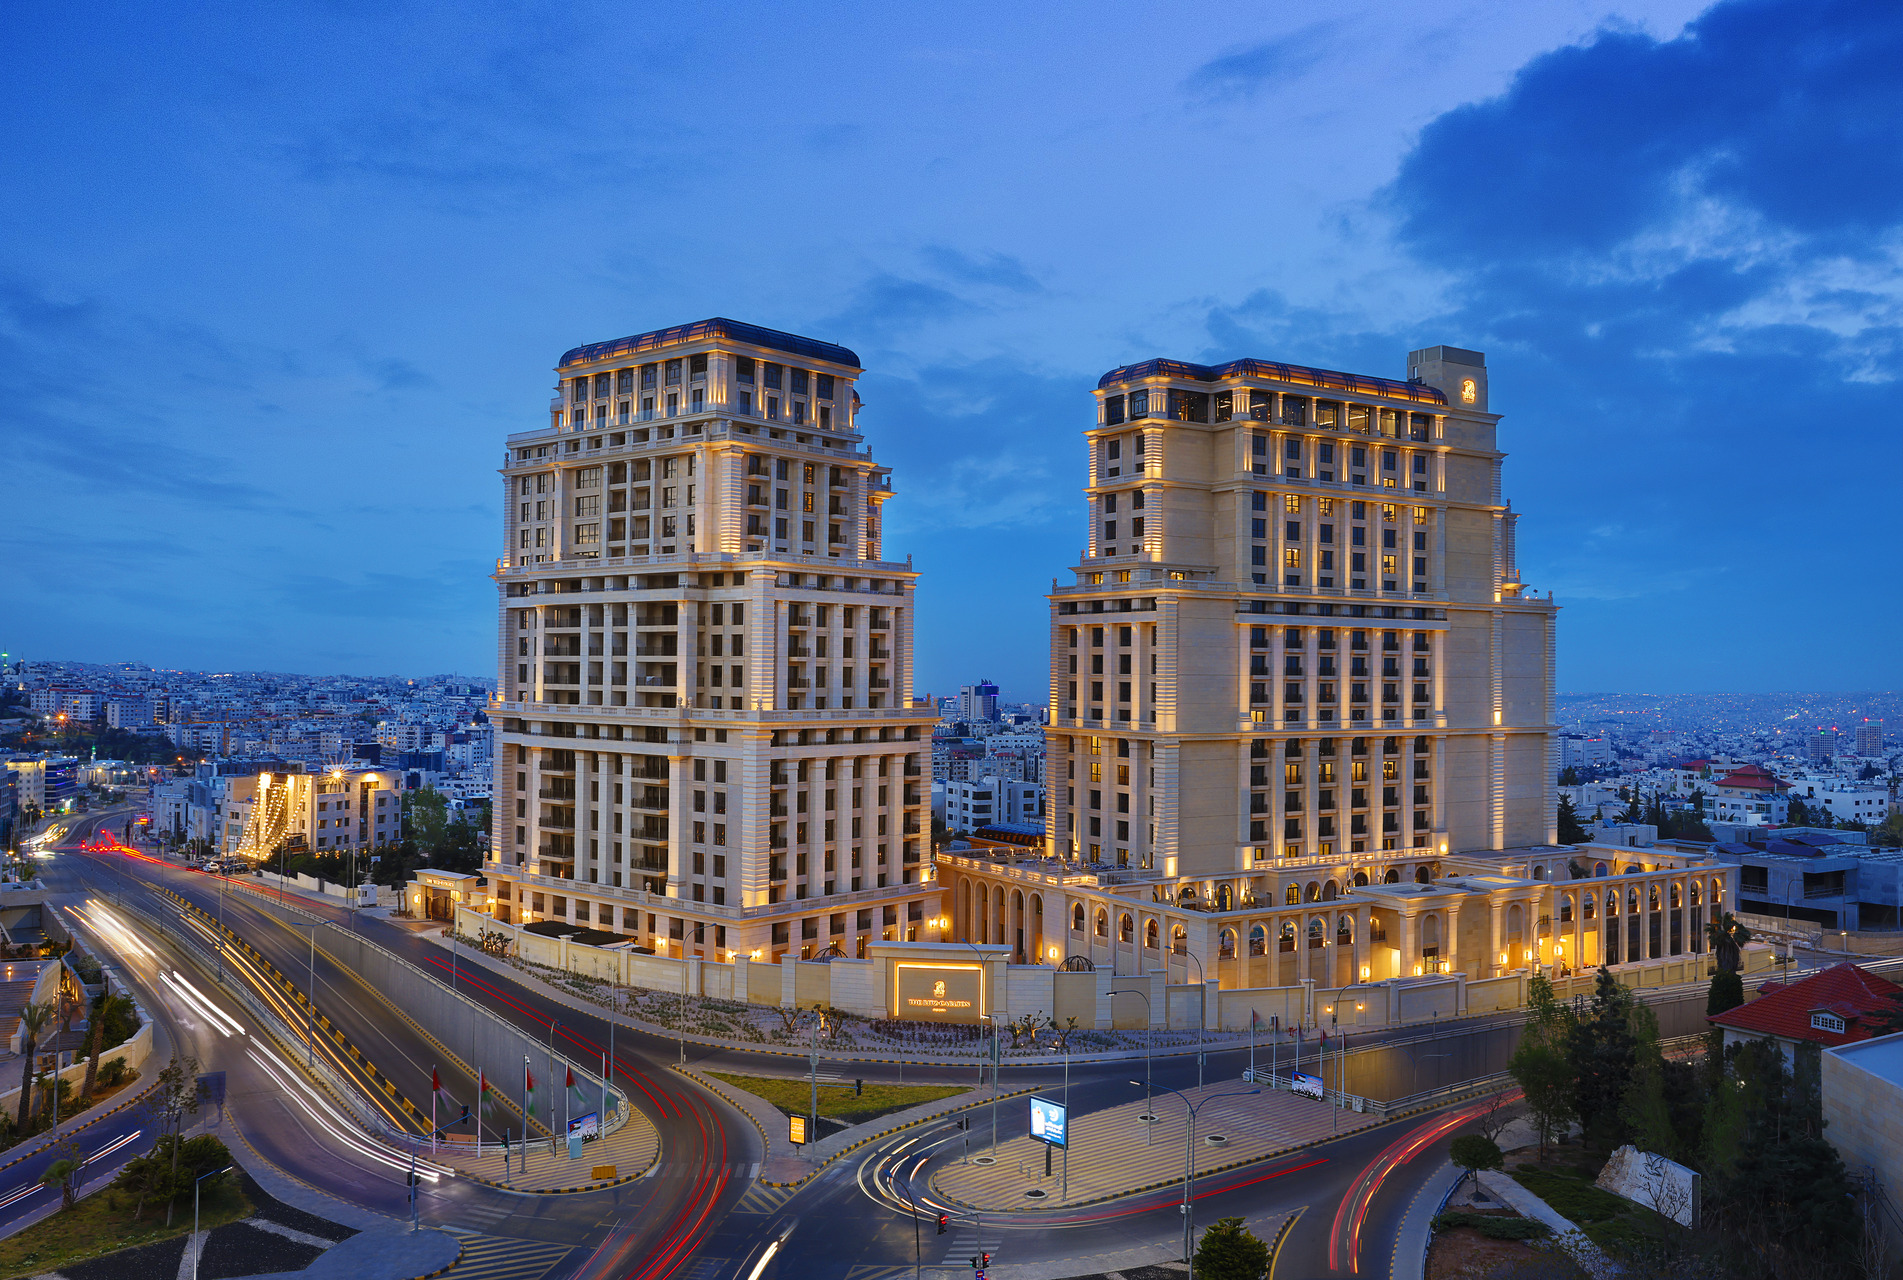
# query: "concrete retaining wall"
x,y
482,1040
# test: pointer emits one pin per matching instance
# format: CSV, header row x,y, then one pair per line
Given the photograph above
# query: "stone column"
x,y
1496,935
1410,951
1453,937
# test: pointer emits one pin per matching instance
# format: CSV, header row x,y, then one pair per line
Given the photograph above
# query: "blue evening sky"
x,y
275,281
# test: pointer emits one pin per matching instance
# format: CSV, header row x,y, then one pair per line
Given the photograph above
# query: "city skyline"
x,y
415,261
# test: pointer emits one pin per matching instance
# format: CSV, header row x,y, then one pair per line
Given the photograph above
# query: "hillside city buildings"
x,y
706,738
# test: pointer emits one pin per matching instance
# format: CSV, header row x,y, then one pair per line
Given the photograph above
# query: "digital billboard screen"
x,y
1048,1122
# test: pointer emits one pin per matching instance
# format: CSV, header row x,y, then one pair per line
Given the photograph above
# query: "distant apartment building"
x,y
979,802
1750,796
398,736
1870,738
1821,747
130,713
704,736
978,703
1581,753
330,811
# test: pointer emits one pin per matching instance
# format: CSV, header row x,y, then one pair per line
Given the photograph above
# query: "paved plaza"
x,y
1110,1153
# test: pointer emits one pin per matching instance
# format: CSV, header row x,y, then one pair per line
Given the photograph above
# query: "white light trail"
x,y
326,1118
216,1012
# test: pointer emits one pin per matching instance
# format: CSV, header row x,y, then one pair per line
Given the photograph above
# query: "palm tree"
x,y
34,1018
109,1004
1728,938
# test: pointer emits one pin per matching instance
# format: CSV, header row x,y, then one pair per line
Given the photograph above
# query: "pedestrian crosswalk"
x,y
498,1258
865,1272
476,1216
764,1199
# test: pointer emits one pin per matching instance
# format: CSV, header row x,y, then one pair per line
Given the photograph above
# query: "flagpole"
x,y
435,1086
482,1096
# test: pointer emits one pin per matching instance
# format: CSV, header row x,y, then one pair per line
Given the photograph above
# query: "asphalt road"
x,y
647,1229
701,1215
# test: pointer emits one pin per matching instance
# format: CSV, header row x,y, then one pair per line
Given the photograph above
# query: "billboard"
x,y
938,992
586,1127
1048,1122
1306,1086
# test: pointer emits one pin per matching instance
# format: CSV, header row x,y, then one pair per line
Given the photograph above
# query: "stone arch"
x,y
1317,932
1539,871
1294,895
1077,918
1692,889
1103,923
1179,940
1225,898
1126,928
1150,933
1392,877
1652,897
1344,930
1598,869
1314,891
1330,891
1361,878
1258,940
1422,875
1285,936
1589,905
1678,895
1226,944
1565,908
1430,930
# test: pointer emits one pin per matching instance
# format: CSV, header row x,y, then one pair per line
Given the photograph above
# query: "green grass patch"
x,y
1572,1197
1492,1226
102,1223
837,1102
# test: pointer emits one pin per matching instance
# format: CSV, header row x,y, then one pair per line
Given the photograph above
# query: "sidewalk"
x,y
1110,1155
545,1167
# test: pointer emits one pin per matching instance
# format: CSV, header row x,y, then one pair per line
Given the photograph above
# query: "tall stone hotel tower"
x,y
1298,634
705,733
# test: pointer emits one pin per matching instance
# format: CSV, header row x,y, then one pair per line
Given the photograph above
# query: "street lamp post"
x,y
993,1020
198,1246
1202,1012
1149,1056
1189,1168
310,1000
1415,1063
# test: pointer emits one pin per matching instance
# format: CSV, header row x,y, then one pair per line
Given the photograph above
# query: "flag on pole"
x,y
528,1090
571,1078
482,1101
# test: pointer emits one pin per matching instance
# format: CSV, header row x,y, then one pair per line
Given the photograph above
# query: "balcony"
x,y
558,793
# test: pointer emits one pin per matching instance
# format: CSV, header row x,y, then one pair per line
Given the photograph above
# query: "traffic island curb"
x,y
1279,1153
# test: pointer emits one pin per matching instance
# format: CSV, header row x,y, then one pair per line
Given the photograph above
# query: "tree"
x,y
1727,992
1474,1152
1569,776
64,1173
1797,813
33,1019
1600,1049
108,1009
1889,831
174,1098
1571,830
1539,1066
1728,938
1635,808
1229,1251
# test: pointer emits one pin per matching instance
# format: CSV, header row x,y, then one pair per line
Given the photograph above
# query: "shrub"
x,y
1571,1198
112,1073
1491,1226
1230,1252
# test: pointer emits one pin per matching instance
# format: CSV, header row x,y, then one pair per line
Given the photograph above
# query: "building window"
x,y
1821,1021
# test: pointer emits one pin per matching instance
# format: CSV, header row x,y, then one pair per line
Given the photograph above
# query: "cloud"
x,y
886,303
995,270
1685,260
1244,72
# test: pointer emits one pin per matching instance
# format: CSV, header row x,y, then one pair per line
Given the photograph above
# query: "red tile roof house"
x,y
1830,1008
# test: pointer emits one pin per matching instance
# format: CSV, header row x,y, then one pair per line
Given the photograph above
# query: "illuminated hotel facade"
x,y
705,737
1301,702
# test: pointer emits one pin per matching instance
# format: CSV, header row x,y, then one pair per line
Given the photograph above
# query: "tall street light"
x,y
1149,1053
1189,1168
198,1246
1202,1011
310,1001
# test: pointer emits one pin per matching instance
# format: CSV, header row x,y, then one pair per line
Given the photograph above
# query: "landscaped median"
x,y
787,1165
